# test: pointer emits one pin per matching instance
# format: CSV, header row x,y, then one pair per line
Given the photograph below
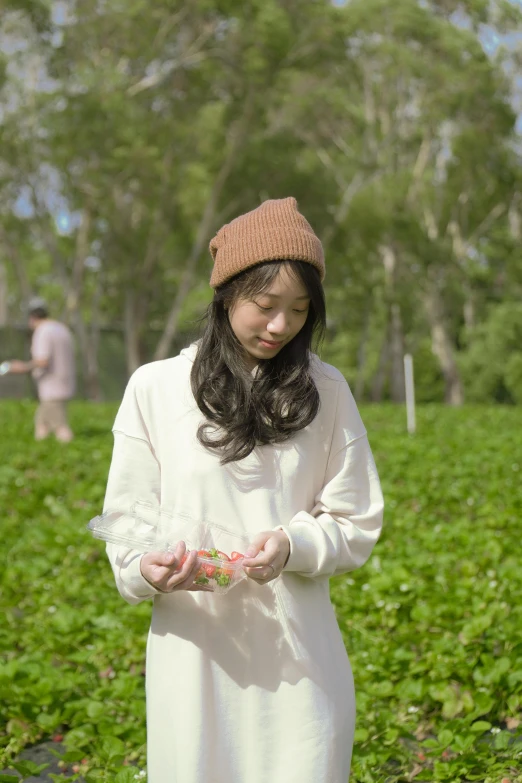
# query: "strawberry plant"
x,y
432,622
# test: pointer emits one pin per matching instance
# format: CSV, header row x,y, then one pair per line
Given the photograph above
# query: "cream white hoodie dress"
x,y
253,686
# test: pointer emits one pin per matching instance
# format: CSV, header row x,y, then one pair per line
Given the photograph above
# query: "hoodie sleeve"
x,y
338,534
134,475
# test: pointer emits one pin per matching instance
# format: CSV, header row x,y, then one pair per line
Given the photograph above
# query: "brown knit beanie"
x,y
274,231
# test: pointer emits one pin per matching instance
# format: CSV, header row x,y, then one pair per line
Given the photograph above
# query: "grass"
x,y
432,623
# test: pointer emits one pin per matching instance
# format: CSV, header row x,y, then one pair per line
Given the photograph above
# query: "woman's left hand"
x,y
266,556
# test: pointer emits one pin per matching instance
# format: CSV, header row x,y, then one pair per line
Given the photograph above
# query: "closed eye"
x,y
267,309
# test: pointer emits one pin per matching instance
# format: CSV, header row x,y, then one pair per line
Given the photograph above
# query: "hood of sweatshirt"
x,y
190,352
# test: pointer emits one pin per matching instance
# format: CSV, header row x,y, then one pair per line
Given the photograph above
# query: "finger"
x,y
179,554
155,567
263,559
185,575
158,559
173,559
193,571
177,572
262,575
257,544
185,579
165,563
167,559
258,570
266,555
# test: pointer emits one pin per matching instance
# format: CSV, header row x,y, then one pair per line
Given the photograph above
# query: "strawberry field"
x,y
433,623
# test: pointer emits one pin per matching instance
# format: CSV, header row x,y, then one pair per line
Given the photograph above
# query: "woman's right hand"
x,y
166,572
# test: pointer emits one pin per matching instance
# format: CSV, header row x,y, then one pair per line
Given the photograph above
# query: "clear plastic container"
x,y
148,528
125,529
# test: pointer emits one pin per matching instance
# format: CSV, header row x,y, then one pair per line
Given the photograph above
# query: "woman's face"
x,y
266,323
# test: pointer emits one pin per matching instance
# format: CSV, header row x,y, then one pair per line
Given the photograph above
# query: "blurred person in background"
x,y
53,368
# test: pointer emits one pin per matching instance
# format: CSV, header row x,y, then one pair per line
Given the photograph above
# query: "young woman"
x,y
249,430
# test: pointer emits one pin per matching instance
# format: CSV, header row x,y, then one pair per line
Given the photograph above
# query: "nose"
x,y
279,324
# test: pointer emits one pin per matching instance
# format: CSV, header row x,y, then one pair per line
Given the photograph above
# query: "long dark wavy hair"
x,y
245,410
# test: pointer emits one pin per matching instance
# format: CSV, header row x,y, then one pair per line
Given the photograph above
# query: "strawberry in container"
x,y
219,570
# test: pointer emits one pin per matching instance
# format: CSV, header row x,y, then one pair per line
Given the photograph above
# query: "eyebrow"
x,y
276,296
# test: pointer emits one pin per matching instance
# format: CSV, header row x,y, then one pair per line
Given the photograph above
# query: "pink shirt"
x,y
53,342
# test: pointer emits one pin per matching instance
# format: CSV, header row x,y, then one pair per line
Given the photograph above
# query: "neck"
x,y
251,362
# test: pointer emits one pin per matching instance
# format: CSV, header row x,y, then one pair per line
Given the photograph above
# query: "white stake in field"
x,y
410,392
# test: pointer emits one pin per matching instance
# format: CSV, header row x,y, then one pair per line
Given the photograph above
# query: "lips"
x,y
270,343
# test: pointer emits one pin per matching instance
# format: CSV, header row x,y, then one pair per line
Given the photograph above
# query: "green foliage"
x,y
389,122
431,624
37,10
492,363
72,654
429,383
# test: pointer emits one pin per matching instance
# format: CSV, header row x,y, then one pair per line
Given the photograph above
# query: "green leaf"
x,y
96,710
502,740
27,767
390,736
361,735
72,755
463,743
480,726
409,672
112,746
48,721
445,738
127,775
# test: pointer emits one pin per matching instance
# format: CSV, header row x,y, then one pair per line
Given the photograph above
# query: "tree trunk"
x,y
158,234
238,138
132,342
92,380
88,357
379,378
75,288
91,367
397,389
361,354
395,340
88,349
442,347
469,309
204,229
18,266
3,295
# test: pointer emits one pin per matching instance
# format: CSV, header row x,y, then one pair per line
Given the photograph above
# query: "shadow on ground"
x,y
42,754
